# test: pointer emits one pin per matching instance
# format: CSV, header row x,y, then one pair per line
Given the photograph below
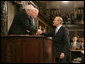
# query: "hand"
x,y
74,46
62,55
39,32
27,31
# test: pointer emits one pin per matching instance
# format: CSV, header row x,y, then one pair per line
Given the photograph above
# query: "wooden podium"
x,y
26,49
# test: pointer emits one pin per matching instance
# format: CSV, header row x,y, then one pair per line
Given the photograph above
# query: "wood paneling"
x,y
26,49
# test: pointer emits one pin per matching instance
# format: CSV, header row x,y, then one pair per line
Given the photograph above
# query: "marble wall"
x,y
8,10
4,18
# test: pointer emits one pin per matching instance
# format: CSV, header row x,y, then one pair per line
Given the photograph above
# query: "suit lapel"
x,y
35,21
31,21
59,31
54,33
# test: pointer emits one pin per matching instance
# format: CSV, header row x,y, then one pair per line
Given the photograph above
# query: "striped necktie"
x,y
33,22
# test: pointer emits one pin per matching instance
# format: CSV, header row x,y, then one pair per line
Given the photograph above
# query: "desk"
x,y
75,50
26,49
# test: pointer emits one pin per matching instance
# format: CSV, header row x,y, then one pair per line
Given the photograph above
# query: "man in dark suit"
x,y
22,22
34,20
61,44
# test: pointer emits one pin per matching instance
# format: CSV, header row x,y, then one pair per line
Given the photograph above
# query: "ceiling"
x,y
60,3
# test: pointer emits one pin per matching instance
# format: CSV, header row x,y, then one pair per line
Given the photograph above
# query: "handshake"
x,y
38,32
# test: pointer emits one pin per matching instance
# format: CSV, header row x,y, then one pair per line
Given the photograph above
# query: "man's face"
x,y
56,21
34,14
29,12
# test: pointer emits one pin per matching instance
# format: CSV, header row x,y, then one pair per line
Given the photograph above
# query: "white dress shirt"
x,y
75,43
56,30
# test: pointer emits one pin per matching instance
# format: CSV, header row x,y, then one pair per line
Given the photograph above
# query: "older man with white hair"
x,y
22,22
29,9
34,15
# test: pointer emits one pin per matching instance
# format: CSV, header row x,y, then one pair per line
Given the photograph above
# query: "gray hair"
x,y
36,9
61,19
30,7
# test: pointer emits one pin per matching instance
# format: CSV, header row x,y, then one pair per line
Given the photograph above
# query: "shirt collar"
x,y
59,27
75,42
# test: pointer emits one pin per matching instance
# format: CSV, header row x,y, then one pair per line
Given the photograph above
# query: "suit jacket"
x,y
61,42
21,23
35,25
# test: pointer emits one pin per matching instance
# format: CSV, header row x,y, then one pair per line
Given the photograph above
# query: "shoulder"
x,y
64,29
22,12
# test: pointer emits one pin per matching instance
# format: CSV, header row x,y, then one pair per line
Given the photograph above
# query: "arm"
x,y
37,24
48,34
66,41
26,21
78,45
66,45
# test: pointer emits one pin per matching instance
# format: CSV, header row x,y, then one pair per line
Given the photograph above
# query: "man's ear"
x,y
61,22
